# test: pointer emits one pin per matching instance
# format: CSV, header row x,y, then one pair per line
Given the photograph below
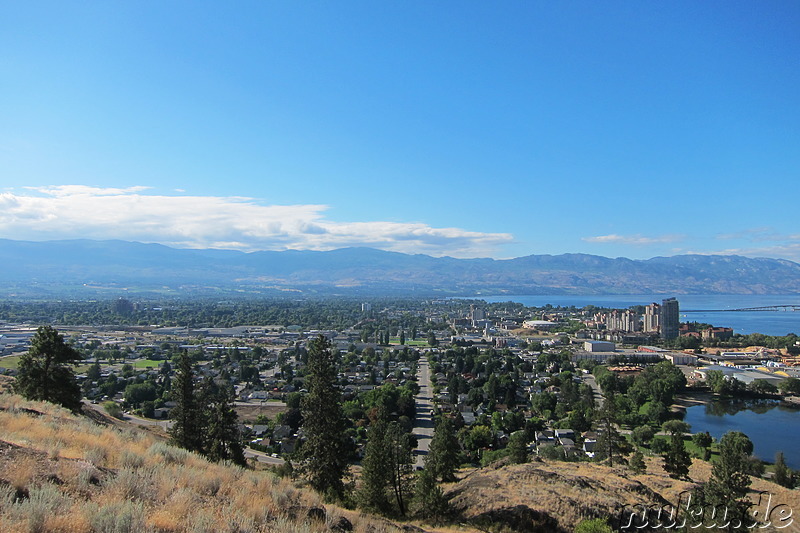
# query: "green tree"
x,y
432,339
429,500
642,435
444,453
375,474
326,452
137,393
518,448
715,380
677,460
44,373
186,431
113,409
400,446
783,474
790,386
762,386
223,440
703,440
636,463
610,444
727,489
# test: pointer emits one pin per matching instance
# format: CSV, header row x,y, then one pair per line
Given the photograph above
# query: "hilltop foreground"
x,y
64,473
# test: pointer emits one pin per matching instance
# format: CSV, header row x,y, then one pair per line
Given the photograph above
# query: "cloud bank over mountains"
x,y
233,222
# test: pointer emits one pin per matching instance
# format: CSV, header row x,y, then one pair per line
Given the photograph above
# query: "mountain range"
x,y
87,268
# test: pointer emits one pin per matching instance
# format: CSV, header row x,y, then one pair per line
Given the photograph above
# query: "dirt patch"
x,y
249,413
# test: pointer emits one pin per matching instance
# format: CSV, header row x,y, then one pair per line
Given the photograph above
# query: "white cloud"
x,y
78,211
636,240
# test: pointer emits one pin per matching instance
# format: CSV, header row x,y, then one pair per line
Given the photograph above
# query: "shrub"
x,y
170,454
122,517
113,409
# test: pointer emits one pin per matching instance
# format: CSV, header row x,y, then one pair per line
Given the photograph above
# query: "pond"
x,y
771,426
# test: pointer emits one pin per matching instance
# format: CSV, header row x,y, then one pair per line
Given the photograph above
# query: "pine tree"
x,y
186,431
677,460
386,468
728,487
783,474
223,440
326,452
44,374
399,442
636,463
610,444
372,494
443,454
429,501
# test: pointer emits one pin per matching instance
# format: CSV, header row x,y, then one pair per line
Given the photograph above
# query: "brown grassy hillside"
x,y
555,496
61,473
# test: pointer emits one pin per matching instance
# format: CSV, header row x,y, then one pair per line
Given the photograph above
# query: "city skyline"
x,y
453,129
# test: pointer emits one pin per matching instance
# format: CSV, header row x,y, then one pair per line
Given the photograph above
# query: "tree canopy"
x,y
44,372
326,451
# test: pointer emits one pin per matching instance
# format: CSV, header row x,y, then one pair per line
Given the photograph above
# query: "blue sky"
x,y
470,129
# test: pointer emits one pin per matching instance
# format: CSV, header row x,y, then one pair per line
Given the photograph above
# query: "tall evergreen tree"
x,y
399,442
326,452
372,494
728,487
386,468
44,374
429,499
783,474
443,455
186,430
223,440
677,460
610,444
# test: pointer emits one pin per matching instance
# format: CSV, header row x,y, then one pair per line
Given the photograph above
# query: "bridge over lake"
x,y
784,307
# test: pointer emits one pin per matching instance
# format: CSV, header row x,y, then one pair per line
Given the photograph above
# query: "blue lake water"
x,y
771,427
743,322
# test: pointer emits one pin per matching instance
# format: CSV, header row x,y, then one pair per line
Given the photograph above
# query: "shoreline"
x,y
684,400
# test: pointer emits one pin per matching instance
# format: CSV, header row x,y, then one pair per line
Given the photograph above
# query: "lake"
x,y
770,426
743,322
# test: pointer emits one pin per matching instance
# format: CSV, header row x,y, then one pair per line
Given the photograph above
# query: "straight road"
x,y
596,392
423,421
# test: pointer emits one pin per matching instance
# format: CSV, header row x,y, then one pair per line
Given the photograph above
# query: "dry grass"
x,y
66,474
570,492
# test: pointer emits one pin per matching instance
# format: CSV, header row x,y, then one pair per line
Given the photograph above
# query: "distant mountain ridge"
x,y
83,266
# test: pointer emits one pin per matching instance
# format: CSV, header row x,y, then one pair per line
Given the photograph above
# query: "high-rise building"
x,y
670,318
650,322
619,320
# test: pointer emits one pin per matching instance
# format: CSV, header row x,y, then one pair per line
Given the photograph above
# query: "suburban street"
x,y
423,423
596,392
